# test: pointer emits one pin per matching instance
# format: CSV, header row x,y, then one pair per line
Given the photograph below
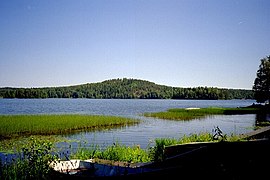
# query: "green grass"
x,y
118,152
115,152
188,114
157,152
36,154
17,125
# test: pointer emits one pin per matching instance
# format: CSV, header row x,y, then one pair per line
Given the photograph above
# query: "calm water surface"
x,y
149,128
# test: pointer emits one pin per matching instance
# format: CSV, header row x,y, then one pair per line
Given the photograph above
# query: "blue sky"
x,y
181,43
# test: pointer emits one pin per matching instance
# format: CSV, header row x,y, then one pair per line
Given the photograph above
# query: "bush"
x,y
33,162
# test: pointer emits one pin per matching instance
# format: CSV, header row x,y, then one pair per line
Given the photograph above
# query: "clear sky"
x,y
181,43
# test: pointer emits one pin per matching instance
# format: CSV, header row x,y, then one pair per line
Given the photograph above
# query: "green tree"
x,y
261,85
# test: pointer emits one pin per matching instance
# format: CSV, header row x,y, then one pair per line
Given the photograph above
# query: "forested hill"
x,y
126,89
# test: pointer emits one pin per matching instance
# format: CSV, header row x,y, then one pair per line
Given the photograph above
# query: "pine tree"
x,y
261,85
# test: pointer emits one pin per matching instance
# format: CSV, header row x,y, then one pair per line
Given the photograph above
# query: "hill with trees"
x,y
126,89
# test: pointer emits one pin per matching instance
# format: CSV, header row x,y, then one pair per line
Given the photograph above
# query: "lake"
x,y
144,133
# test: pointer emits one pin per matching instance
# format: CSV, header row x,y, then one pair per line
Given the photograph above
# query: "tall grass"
x,y
157,152
16,125
36,155
188,114
118,152
115,152
134,154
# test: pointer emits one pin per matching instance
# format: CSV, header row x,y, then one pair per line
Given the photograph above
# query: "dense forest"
x,y
126,89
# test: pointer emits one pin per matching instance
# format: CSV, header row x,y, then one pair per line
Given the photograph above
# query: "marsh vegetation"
x,y
19,125
197,113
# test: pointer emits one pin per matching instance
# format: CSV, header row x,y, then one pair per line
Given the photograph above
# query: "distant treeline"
x,y
126,89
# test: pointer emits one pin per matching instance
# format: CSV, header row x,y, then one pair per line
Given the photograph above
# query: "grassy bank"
x,y
35,155
118,152
196,113
17,125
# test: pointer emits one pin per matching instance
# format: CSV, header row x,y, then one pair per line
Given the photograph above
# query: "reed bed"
x,y
16,125
197,113
115,152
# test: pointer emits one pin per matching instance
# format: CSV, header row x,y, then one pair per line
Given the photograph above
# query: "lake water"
x,y
145,132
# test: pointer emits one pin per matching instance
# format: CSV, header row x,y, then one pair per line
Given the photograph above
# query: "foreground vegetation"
x,y
34,158
32,162
126,89
134,154
196,113
115,152
17,125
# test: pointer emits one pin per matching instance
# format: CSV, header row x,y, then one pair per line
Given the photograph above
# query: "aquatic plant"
x,y
115,152
17,125
197,113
